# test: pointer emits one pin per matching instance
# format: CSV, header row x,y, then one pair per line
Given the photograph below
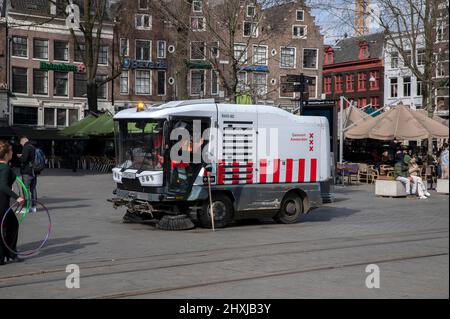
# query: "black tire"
x,y
223,212
291,209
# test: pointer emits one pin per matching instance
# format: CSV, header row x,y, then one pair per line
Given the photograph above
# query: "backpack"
x,y
39,161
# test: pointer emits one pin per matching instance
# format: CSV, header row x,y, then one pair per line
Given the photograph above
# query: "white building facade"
x,y
401,86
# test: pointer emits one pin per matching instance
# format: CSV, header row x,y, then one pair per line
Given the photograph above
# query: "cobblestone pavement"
x,y
323,256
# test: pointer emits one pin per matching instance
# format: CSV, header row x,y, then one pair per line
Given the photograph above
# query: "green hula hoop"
x,y
27,199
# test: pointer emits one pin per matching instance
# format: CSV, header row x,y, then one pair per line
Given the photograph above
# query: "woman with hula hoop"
x,y
11,224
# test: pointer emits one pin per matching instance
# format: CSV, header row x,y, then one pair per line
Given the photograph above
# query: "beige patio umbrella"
x,y
437,118
400,122
352,115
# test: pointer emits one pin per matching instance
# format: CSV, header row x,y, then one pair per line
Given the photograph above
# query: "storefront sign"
x,y
79,68
129,64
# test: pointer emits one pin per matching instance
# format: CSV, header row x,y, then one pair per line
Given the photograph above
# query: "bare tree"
x,y
219,27
87,36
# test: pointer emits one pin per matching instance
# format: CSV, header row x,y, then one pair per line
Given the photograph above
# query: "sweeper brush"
x,y
175,223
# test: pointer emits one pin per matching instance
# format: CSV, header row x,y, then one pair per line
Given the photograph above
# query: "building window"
x,y
362,77
161,83
102,89
251,11
214,82
161,49
300,15
394,87
40,82
215,50
374,80
240,53
362,102
350,83
242,81
338,83
79,53
407,86
143,82
20,80
61,50
143,21
260,55
363,51
73,116
299,31
329,56
79,85
312,88
40,49
124,47
25,115
327,85
61,117
124,83
197,82
20,47
198,24
419,91
143,50
310,58
440,69
197,6
375,102
103,55
60,85
49,116
260,84
394,60
440,31
250,29
287,58
408,58
143,4
421,57
198,50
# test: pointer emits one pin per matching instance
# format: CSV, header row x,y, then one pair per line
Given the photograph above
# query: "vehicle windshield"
x,y
140,144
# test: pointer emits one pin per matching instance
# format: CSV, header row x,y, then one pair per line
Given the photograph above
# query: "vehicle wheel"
x,y
290,210
223,212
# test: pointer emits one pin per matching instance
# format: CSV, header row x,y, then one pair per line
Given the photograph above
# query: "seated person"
x,y
414,172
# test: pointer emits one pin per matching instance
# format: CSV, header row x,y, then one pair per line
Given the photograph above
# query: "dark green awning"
x,y
73,130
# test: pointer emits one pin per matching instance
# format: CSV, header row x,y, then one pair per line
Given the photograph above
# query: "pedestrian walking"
x,y
29,176
11,225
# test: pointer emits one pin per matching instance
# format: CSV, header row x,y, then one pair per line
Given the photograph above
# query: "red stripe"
x,y
221,173
313,170
276,173
250,164
236,179
263,173
289,170
301,170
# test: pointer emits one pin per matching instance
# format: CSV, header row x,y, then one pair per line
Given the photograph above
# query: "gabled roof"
x,y
276,14
347,50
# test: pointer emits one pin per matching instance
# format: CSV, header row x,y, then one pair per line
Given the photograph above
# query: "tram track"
x,y
108,268
92,264
147,292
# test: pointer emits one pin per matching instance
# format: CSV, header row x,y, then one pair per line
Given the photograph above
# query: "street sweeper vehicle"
x,y
199,162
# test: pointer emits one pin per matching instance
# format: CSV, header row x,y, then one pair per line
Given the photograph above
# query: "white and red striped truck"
x,y
258,161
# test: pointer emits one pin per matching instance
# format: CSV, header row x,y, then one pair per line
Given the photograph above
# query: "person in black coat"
x,y
11,225
29,177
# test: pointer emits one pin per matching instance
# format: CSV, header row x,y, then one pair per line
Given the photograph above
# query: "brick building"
x,y
354,68
147,46
47,80
268,45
